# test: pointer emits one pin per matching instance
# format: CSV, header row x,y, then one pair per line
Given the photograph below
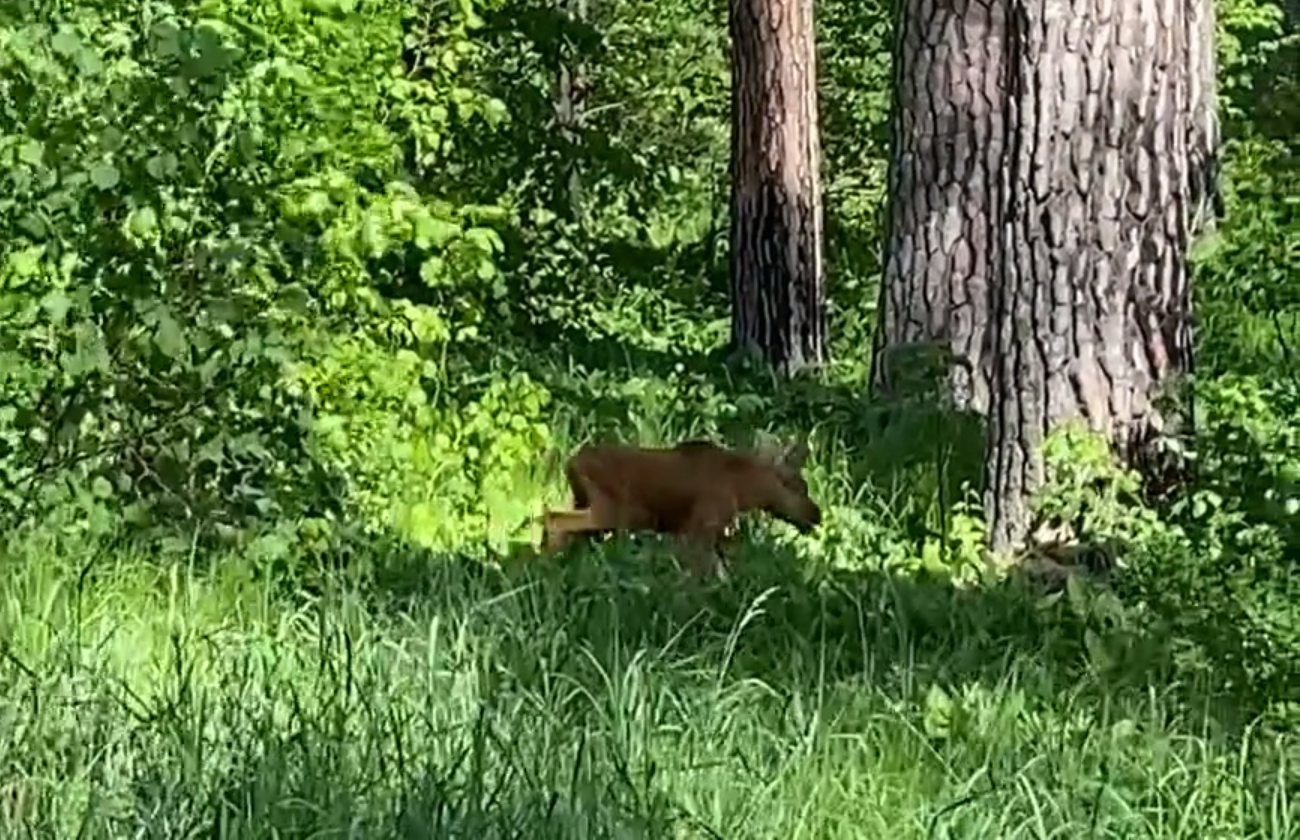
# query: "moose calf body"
x,y
694,490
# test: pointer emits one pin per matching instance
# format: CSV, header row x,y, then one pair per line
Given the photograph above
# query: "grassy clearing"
x,y
597,697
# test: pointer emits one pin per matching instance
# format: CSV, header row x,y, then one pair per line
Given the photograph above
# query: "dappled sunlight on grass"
x,y
600,694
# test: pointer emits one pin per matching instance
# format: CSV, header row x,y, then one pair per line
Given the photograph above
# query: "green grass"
x,y
598,696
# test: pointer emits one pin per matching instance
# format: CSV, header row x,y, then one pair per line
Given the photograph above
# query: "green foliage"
x,y
311,279
423,465
855,40
1246,294
199,202
1215,569
440,698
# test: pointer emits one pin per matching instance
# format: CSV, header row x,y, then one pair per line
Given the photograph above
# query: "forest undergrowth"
x,y
842,684
291,319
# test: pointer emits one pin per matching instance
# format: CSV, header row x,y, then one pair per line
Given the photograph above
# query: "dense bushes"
x,y
210,231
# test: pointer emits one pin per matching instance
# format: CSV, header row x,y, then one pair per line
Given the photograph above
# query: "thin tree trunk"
x,y
778,299
571,88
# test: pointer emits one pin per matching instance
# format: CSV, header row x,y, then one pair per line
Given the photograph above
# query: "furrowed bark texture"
x,y
1094,310
1205,197
943,246
1104,159
778,298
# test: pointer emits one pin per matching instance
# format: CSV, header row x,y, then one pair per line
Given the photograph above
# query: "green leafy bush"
x,y
201,200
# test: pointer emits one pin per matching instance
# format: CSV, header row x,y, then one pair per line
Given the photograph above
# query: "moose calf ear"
x,y
795,455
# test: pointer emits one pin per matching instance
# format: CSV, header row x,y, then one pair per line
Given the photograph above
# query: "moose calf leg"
x,y
699,540
700,557
561,527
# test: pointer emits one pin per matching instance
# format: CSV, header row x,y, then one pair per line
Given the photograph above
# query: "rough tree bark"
x,y
1084,134
942,247
778,299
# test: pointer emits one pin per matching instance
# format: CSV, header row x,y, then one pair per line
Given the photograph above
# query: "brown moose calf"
x,y
694,490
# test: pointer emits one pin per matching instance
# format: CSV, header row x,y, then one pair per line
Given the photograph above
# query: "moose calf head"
x,y
777,486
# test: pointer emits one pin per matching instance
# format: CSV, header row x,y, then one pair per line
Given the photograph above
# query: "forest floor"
x,y
595,695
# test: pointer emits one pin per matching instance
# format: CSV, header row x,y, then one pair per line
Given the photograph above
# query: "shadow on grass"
x,y
795,628
590,694
305,787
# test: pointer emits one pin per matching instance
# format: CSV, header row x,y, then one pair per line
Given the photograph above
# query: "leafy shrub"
x,y
200,200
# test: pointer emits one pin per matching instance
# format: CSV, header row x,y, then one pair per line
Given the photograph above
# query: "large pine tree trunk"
x,y
1060,194
778,299
943,247
1095,310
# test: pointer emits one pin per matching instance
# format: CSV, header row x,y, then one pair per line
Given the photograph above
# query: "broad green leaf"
x,y
169,336
295,298
162,166
485,239
495,111
432,232
90,353
433,271
374,239
142,222
317,202
24,264
105,175
111,138
940,709
56,304
166,40
33,225
65,42
1206,246
207,54
31,151
89,63
427,325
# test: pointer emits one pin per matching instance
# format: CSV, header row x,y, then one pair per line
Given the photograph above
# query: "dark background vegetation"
x,y
292,307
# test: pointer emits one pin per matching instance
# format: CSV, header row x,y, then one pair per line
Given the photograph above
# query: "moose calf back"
x,y
668,489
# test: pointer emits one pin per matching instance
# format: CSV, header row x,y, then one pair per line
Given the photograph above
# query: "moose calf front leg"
x,y
561,527
699,541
